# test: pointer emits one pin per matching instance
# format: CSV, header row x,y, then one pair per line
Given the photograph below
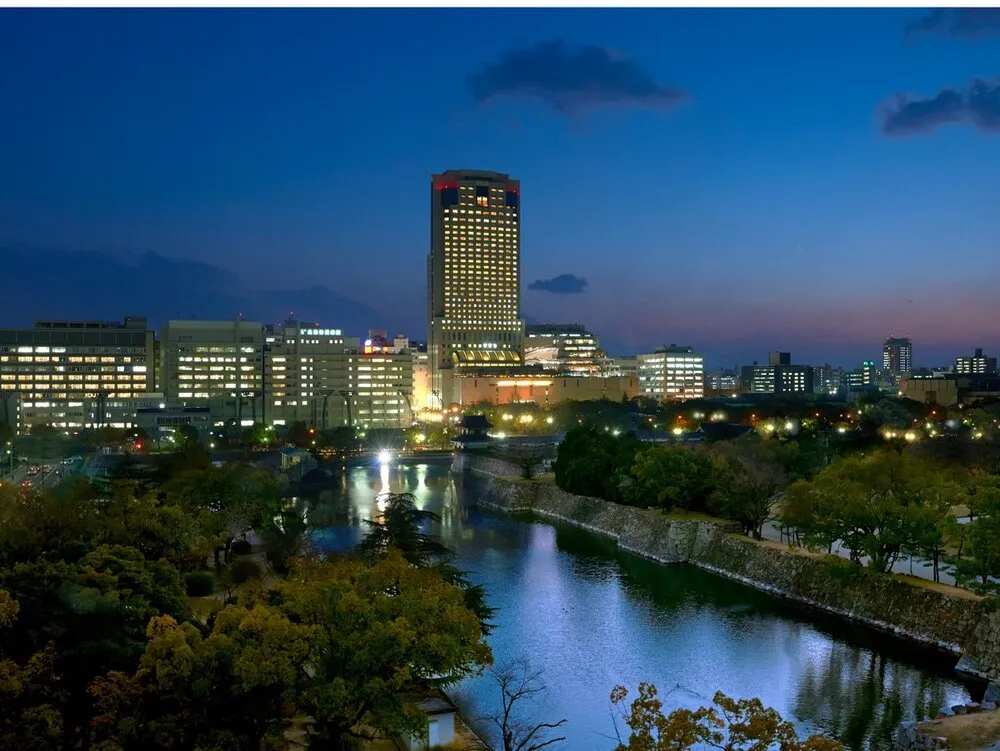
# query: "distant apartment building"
x,y
779,377
218,364
978,364
672,374
75,374
318,376
564,348
897,356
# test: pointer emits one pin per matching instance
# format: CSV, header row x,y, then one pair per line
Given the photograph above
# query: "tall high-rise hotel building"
x,y
474,276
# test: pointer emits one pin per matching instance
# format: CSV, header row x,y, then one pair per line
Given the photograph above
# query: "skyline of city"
x,y
665,206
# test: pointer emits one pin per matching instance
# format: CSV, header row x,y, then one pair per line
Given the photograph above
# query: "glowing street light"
x,y
384,456
550,419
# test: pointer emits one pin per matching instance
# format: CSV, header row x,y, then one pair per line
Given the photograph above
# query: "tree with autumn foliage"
x,y
230,689
383,633
728,724
29,716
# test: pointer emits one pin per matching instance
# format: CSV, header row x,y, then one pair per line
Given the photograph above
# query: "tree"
x,y
877,505
399,529
672,476
227,501
386,631
93,611
301,435
589,462
978,566
29,717
729,724
528,457
232,689
749,475
519,683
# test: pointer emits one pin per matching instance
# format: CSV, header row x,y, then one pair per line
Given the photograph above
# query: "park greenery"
x,y
877,490
134,616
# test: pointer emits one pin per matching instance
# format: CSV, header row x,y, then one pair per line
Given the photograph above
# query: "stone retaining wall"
x,y
939,619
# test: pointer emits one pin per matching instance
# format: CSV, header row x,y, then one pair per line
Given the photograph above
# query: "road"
x,y
42,480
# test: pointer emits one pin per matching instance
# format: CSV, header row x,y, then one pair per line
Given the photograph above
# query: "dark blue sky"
x,y
736,180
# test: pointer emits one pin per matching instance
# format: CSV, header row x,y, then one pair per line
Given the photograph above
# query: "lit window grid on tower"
x,y
474,271
672,377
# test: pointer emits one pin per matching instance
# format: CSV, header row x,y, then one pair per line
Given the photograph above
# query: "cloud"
x,y
564,284
978,104
962,23
571,80
91,285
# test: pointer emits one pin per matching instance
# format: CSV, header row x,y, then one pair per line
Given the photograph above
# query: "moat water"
x,y
591,616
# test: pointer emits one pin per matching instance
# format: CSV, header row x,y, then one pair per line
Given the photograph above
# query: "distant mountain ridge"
x,y
53,283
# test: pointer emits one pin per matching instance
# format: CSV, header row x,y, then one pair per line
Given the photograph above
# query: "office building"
x,y
474,275
564,348
381,383
863,377
218,364
75,374
897,356
722,383
978,364
672,374
318,376
306,374
779,376
422,378
623,366
827,379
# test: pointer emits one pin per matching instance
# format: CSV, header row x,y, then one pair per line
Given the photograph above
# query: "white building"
x,y
318,376
219,364
672,374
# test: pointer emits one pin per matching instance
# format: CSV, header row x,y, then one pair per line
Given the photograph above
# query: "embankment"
x,y
935,617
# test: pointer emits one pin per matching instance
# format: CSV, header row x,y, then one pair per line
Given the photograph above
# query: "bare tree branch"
x,y
518,682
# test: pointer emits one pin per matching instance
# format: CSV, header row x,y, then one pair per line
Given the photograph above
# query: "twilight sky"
x,y
740,181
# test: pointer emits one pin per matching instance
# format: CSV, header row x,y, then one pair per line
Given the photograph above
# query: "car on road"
x,y
26,483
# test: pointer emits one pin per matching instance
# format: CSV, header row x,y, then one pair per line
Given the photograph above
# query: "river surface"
x,y
591,616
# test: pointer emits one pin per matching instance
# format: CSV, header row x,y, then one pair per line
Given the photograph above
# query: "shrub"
x,y
843,570
241,547
990,604
199,584
244,571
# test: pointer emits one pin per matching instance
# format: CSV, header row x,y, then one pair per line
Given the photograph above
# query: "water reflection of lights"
x,y
383,477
